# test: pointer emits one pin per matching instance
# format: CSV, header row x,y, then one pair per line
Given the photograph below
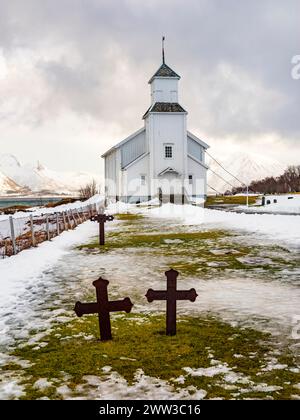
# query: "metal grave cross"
x,y
171,295
103,307
101,219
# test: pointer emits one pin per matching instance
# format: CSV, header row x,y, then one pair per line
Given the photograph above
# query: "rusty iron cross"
x,y
101,219
103,307
171,295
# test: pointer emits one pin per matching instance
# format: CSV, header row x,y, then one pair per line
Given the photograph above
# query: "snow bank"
x,y
21,271
279,204
37,211
279,227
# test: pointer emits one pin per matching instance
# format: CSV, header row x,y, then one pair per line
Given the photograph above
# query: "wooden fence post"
x,y
65,222
57,224
69,220
72,215
32,230
79,217
12,234
48,228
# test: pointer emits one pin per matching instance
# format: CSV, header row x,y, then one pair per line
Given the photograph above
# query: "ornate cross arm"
x,y
120,305
102,218
152,295
190,295
86,308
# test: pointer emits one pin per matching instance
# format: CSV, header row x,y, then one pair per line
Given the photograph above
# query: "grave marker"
x,y
103,307
171,295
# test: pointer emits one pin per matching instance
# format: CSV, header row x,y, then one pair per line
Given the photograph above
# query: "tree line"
x,y
288,182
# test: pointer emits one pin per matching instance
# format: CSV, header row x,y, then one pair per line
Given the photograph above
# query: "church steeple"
x,y
163,49
164,70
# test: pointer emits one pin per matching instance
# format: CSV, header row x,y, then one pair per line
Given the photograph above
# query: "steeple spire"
x,y
163,49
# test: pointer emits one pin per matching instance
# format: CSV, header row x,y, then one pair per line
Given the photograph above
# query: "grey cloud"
x,y
117,47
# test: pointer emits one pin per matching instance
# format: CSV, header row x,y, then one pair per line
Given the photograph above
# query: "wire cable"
x,y
225,169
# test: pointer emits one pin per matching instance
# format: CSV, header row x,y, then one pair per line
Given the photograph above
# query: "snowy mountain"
x,y
246,167
8,185
38,179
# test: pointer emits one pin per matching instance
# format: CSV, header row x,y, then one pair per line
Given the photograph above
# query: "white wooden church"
x,y
162,159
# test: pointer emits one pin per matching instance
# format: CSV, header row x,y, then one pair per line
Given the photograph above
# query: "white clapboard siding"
x,y
195,149
133,149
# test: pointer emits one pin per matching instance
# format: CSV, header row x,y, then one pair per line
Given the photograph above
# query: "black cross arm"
x,y
190,295
152,295
120,305
86,308
102,218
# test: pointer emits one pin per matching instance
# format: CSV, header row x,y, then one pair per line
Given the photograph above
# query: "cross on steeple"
x,y
163,49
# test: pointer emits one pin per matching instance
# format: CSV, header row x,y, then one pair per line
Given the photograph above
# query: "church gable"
x,y
133,149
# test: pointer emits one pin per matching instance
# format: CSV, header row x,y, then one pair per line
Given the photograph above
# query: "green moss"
x,y
195,252
129,216
129,239
140,343
229,199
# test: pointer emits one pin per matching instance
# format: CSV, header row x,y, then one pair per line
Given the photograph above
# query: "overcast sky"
x,y
74,73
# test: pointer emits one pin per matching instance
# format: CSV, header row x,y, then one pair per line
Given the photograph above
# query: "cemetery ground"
x,y
234,342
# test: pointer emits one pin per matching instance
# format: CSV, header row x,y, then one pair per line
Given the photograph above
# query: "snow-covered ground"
x,y
287,203
272,227
37,211
38,286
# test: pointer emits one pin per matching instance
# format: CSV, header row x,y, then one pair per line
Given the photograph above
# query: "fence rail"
x,y
19,233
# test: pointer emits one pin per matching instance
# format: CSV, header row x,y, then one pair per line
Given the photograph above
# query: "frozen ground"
x,y
271,227
38,289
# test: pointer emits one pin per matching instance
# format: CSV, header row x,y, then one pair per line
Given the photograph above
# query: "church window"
x,y
191,179
168,152
143,179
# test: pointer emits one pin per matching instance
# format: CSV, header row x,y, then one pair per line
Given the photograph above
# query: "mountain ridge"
x,y
18,178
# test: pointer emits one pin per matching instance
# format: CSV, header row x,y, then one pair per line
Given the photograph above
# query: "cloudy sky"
x,y
74,73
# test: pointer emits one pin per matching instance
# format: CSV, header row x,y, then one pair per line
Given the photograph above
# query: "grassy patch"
x,y
194,252
229,199
128,239
129,216
140,343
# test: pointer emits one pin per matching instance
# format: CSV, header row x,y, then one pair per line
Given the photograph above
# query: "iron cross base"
x,y
171,295
101,219
103,307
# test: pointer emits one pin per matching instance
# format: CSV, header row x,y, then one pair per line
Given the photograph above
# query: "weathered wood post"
x,y
79,217
68,219
48,228
12,234
65,222
57,224
32,230
73,216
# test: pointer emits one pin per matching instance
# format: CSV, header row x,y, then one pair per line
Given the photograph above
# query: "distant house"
x,y
162,159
